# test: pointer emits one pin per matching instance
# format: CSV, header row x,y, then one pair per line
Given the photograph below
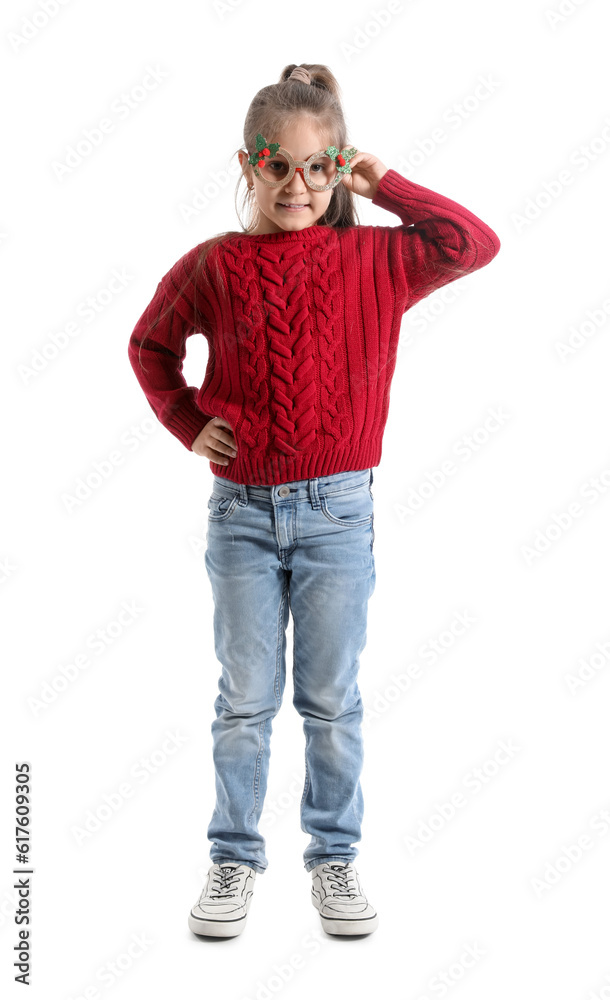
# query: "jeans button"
x,y
283,491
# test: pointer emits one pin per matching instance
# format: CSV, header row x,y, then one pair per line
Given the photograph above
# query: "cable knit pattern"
x,y
283,279
249,312
302,355
326,283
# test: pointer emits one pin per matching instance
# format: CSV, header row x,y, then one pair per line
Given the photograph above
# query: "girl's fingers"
x,y
230,443
226,447
223,438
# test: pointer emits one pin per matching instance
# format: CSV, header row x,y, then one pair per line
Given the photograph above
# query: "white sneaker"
x,y
337,894
222,908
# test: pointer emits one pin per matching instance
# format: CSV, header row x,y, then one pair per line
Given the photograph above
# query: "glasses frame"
x,y
303,166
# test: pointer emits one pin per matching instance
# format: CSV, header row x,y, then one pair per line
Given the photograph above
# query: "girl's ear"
x,y
245,167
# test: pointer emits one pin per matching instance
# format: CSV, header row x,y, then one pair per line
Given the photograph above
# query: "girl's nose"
x,y
299,187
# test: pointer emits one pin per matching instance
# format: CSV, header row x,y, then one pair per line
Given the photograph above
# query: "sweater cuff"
x,y
186,423
391,191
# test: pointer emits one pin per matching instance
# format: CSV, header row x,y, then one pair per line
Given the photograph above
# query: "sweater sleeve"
x,y
157,348
438,242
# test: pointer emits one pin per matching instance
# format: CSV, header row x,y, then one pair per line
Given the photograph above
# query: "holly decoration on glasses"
x,y
341,158
263,149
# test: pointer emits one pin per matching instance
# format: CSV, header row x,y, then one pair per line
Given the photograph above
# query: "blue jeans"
x,y
304,546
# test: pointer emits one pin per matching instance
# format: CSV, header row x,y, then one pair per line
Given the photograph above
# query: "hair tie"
x,y
300,73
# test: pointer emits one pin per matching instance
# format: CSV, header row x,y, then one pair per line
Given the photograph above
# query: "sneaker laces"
x,y
342,875
225,877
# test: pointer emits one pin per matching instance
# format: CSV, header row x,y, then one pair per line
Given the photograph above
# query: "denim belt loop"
x,y
243,495
313,494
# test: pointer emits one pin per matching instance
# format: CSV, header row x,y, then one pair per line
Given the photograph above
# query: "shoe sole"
x,y
217,928
333,925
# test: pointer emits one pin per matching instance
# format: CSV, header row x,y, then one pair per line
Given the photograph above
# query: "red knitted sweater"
x,y
302,333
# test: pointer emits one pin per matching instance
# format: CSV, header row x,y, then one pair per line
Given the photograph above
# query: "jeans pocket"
x,y
351,508
222,505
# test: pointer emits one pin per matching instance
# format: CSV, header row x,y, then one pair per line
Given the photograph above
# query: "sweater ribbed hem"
x,y
271,470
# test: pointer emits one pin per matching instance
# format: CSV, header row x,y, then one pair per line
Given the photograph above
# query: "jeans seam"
x,y
278,648
306,782
257,769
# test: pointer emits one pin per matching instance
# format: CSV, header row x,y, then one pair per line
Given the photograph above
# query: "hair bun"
x,y
300,73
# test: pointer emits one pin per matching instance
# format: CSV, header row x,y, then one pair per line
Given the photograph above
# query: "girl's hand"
x,y
367,171
215,443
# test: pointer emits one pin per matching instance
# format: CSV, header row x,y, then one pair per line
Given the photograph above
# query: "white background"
x,y
502,876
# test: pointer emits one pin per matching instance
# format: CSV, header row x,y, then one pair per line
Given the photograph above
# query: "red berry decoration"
x,y
342,158
262,150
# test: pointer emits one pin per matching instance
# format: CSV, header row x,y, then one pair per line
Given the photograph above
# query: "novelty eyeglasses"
x,y
274,165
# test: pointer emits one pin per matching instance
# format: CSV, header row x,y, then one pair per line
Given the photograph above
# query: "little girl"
x,y
302,312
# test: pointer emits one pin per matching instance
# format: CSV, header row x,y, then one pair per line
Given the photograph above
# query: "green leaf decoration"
x,y
346,153
261,143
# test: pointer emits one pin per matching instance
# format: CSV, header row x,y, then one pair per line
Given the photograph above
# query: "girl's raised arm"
x,y
438,242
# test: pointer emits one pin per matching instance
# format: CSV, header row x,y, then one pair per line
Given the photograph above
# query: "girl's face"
x,y
301,140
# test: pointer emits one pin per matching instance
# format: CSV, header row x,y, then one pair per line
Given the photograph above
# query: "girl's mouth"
x,y
292,207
